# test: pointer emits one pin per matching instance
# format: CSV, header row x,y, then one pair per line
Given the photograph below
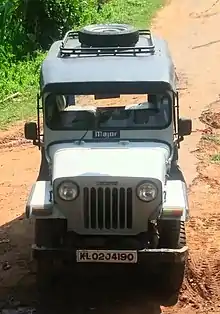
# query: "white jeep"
x,y
109,188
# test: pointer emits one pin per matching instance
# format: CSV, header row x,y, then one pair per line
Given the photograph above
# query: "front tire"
x,y
49,234
44,275
173,236
173,278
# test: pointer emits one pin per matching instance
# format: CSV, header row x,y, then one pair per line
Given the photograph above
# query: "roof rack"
x,y
66,50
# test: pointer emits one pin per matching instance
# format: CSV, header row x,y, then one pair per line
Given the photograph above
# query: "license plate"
x,y
106,256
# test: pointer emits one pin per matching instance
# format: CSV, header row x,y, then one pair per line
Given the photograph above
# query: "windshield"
x,y
124,112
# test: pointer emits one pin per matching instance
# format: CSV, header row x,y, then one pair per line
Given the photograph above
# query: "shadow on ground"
x,y
115,293
99,294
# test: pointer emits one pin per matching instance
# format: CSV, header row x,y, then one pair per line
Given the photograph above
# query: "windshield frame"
x,y
113,128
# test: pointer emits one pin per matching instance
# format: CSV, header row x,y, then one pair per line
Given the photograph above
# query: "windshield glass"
x,y
68,112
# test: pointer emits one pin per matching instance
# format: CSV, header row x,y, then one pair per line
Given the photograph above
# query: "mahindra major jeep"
x,y
109,188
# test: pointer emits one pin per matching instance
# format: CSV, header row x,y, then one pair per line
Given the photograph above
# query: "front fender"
x,y
175,205
40,203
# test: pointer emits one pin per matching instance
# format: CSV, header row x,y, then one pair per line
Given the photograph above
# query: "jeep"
x,y
109,189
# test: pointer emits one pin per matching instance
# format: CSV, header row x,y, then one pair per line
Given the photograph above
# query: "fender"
x,y
40,203
175,206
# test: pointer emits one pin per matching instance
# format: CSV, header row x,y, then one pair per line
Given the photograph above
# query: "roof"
x,y
137,71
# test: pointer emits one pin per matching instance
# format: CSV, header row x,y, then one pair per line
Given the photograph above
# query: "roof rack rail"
x,y
66,50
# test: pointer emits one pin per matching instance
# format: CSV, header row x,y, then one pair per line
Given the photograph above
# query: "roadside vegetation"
x,y
27,28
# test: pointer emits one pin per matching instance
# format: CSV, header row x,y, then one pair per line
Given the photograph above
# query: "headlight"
x,y
68,191
147,191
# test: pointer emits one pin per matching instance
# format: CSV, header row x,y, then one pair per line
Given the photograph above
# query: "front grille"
x,y
107,208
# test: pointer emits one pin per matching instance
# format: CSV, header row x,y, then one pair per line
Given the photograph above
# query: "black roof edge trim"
x,y
91,88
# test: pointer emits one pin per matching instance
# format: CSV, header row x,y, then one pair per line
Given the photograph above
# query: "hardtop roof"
x,y
135,71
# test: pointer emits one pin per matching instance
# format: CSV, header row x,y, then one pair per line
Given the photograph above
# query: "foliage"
x,y
48,20
29,26
11,31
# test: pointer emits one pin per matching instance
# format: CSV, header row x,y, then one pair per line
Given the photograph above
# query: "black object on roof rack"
x,y
66,50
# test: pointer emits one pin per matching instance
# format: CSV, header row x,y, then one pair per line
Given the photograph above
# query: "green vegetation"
x,y
27,28
212,138
215,158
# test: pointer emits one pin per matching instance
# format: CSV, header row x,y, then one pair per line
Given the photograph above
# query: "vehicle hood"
x,y
149,161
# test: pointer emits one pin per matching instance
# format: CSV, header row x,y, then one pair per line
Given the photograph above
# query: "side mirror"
x,y
184,127
30,131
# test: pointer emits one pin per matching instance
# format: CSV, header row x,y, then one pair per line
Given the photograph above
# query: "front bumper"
x,y
144,256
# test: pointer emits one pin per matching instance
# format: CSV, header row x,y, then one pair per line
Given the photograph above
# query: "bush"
x,y
33,24
27,26
48,20
12,34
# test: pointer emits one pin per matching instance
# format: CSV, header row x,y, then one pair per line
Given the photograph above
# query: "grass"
x,y
215,158
136,12
215,139
212,138
23,76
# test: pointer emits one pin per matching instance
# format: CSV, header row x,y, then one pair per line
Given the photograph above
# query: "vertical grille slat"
x,y
129,208
101,208
104,212
86,207
115,208
93,201
107,208
122,210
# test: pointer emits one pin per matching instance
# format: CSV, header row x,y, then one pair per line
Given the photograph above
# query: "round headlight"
x,y
147,191
68,191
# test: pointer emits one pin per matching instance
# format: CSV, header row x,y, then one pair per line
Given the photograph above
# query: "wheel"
x,y
173,279
171,233
172,275
43,234
44,274
49,232
108,35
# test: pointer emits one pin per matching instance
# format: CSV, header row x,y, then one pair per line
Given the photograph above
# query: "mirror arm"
x,y
180,139
37,143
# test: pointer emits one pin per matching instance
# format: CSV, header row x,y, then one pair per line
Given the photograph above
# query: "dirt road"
x,y
190,28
